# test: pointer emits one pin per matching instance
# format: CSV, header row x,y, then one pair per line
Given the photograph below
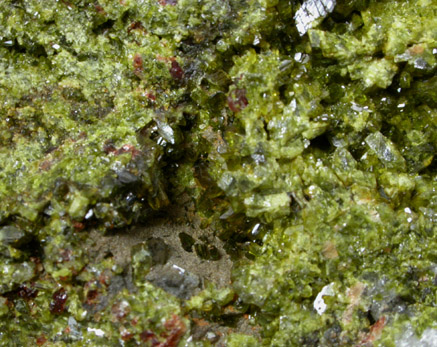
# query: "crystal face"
x,y
310,11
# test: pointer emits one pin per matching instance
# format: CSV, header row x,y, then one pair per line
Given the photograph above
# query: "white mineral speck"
x,y
98,332
319,303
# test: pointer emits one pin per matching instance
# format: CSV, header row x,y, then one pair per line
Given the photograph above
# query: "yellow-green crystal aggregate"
x,y
312,156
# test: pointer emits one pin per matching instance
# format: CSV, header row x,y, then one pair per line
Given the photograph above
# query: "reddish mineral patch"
x,y
176,71
237,100
59,298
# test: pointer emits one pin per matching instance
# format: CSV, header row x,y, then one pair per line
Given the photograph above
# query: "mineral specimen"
x,y
302,135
